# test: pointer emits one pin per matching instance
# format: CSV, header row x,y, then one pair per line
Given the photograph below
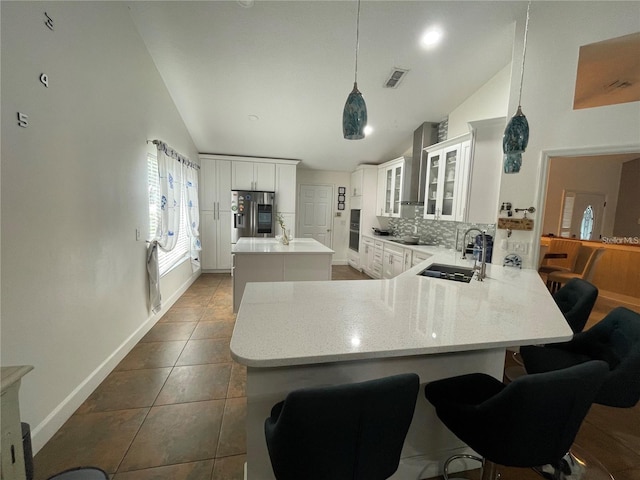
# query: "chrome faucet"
x,y
481,271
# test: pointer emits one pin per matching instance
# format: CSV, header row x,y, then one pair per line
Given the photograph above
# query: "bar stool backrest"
x,y
570,247
342,432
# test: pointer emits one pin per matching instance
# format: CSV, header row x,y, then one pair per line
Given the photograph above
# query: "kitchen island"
x,y
268,260
294,335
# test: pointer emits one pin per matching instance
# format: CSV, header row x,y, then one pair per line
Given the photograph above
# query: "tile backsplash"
x,y
437,232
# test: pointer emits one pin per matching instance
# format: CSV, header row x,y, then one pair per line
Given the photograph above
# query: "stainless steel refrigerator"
x,y
252,214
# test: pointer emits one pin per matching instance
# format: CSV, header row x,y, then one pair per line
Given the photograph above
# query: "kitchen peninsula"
x,y
268,260
292,335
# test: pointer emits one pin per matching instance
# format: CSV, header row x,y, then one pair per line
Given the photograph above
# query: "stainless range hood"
x,y
425,135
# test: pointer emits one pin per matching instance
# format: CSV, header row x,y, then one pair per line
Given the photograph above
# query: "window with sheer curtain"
x,y
166,259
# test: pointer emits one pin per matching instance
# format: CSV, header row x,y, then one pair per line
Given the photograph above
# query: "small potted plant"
x,y
285,237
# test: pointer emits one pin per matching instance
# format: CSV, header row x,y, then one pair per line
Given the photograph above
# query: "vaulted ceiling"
x,y
270,78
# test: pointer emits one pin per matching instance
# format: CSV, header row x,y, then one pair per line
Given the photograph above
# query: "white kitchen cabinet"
x,y
357,177
353,259
480,199
393,179
364,179
219,175
462,183
376,265
446,183
253,176
407,258
367,250
12,463
215,235
418,257
286,189
215,184
392,261
215,213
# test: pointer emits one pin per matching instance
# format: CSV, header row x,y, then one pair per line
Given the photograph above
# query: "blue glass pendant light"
x,y
354,115
516,135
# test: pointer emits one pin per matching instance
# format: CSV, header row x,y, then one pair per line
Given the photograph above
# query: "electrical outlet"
x,y
137,234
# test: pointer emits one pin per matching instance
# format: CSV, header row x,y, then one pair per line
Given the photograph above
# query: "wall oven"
x,y
354,230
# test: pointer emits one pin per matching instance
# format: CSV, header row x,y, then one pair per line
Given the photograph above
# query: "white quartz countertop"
x,y
299,323
271,245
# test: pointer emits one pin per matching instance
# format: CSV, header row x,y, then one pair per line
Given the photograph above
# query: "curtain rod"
x,y
173,153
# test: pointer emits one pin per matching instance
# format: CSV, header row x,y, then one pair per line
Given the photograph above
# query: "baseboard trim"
x,y
46,429
620,298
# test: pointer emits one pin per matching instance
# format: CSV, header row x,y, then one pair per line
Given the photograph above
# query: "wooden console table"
x,y
12,463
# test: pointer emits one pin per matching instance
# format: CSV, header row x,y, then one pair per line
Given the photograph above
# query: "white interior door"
x,y
582,215
315,219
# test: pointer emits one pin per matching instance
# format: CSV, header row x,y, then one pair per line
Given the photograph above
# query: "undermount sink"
x,y
448,272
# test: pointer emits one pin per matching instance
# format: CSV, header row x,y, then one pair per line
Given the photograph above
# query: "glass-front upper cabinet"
x,y
391,183
450,177
443,186
433,161
388,192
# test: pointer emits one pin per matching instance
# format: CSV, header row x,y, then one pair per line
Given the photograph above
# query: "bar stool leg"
x,y
489,471
445,473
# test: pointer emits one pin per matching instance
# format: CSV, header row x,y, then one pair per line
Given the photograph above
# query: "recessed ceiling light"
x,y
368,130
254,118
245,3
431,38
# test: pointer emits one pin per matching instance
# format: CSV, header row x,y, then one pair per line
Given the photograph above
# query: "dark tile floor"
x,y
174,408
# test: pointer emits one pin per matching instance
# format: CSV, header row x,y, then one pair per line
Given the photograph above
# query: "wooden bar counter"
x,y
617,274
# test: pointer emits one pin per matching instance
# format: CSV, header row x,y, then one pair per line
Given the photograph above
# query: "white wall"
x,y
74,190
556,32
490,101
627,221
581,175
340,224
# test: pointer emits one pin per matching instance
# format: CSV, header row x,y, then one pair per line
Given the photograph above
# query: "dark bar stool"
x,y
575,300
342,432
530,422
615,340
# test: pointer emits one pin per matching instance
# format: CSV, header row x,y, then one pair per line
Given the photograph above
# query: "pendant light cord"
x,y
524,52
357,40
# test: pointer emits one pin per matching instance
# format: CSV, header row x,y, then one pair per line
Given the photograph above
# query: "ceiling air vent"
x,y
397,74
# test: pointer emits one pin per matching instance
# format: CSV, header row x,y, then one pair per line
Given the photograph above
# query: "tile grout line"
x,y
117,471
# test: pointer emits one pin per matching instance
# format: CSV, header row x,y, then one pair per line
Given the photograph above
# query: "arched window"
x,y
586,227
